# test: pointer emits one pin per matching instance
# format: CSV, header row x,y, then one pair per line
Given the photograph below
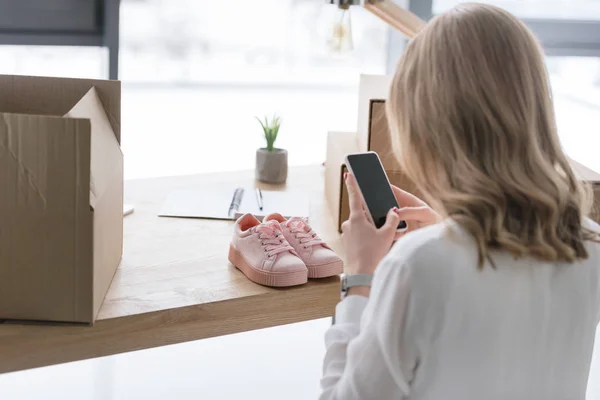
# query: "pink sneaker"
x,y
319,258
263,254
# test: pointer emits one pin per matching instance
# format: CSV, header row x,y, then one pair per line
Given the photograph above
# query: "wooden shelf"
x,y
175,284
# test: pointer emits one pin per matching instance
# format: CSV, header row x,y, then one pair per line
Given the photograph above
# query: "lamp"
x,y
403,20
340,41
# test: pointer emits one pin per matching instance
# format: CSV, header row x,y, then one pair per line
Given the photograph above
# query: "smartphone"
x,y
374,186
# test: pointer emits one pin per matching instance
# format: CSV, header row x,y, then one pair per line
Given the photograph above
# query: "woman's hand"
x,y
414,211
365,245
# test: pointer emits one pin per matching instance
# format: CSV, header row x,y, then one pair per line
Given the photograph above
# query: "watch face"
x,y
344,283
344,287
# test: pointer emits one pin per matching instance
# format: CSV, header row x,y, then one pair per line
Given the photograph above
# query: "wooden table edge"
x,y
43,345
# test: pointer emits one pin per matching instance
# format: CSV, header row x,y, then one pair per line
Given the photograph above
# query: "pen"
x,y
259,199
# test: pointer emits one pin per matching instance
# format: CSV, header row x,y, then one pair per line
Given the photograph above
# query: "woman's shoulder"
x,y
427,260
441,242
447,244
433,254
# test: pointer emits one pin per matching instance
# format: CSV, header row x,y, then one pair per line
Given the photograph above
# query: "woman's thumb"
x,y
391,221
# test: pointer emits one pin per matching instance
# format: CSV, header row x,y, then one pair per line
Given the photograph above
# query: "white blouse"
x,y
437,328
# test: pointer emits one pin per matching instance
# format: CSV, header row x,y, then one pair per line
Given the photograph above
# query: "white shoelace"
x,y
303,233
272,238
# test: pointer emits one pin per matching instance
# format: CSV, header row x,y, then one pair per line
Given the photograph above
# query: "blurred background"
x,y
196,72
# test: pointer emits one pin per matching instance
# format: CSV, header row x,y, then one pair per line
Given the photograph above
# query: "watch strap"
x,y
349,281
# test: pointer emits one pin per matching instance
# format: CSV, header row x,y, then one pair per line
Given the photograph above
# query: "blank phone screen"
x,y
374,185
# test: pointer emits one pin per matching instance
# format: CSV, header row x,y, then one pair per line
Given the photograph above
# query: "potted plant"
x,y
271,162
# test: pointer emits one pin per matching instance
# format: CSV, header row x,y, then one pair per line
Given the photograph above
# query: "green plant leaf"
x,y
270,130
261,124
274,133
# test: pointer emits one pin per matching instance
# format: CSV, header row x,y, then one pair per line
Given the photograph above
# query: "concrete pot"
x,y
271,166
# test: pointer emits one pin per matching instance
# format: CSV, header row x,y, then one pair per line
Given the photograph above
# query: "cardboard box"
x,y
371,87
372,121
61,196
375,140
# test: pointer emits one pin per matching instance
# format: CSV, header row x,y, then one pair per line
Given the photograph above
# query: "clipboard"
x,y
230,204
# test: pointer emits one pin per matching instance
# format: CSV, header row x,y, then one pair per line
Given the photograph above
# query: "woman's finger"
x,y
391,223
354,196
406,199
422,213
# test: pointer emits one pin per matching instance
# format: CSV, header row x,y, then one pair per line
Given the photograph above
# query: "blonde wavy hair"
x,y
472,123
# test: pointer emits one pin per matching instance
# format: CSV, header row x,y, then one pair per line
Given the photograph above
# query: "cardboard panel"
x,y
45,236
371,87
593,178
106,153
584,173
595,213
338,145
108,237
379,136
106,195
56,96
344,206
373,132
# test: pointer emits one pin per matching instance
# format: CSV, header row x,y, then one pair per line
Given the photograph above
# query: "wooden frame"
x,y
408,23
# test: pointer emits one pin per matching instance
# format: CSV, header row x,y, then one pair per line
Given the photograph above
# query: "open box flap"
x,y
38,95
584,173
106,156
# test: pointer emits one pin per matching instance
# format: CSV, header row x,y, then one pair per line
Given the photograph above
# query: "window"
x,y
569,30
538,9
565,27
270,42
61,61
577,105
196,72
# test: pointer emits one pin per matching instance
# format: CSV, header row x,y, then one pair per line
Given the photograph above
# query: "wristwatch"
x,y
349,281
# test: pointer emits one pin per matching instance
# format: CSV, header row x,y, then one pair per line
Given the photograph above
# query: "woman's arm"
x,y
371,351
